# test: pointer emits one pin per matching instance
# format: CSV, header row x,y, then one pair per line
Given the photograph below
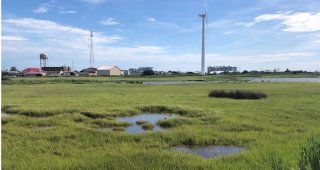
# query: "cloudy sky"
x,y
164,34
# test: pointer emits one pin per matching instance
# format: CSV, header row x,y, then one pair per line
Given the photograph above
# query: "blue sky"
x,y
166,34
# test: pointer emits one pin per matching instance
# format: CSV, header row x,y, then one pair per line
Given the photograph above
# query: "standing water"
x,y
209,152
152,118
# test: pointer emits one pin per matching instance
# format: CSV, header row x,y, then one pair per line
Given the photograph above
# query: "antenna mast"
x,y
91,50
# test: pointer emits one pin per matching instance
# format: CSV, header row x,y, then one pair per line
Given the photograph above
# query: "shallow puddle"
x,y
152,118
209,152
173,82
286,80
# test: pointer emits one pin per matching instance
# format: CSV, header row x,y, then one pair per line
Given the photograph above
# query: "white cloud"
x,y
40,26
280,56
64,43
41,10
46,29
12,38
93,2
151,19
228,32
109,21
293,22
67,12
44,8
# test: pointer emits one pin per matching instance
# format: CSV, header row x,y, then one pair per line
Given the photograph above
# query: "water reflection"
x,y
151,118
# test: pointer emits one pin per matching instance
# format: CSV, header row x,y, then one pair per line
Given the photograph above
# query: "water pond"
x,y
176,82
286,80
151,118
209,152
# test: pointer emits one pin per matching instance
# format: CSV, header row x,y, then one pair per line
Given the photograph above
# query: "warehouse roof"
x,y
32,70
107,67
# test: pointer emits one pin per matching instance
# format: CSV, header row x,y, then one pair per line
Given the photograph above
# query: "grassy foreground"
x,y
54,126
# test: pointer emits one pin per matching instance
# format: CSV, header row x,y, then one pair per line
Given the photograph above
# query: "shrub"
x,y
310,155
237,94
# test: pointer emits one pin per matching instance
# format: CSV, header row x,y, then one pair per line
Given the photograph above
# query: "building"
x,y
89,72
33,72
57,71
221,69
109,71
139,71
125,72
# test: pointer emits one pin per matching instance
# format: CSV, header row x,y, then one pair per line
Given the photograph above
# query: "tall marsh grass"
x,y
310,155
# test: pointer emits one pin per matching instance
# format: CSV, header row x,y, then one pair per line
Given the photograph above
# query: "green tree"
x,y
148,73
13,68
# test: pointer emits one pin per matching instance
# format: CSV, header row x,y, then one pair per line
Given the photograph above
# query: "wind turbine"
x,y
91,51
204,19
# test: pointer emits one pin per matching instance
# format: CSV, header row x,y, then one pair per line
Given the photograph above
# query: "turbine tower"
x,y
204,19
91,51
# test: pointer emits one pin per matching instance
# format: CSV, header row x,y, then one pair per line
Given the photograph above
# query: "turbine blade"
x,y
207,22
205,6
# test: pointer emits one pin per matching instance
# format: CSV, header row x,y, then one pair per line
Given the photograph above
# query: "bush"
x,y
237,94
310,155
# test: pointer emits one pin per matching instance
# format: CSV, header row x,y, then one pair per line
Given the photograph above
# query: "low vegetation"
x,y
93,115
147,126
273,131
175,122
141,122
237,94
118,128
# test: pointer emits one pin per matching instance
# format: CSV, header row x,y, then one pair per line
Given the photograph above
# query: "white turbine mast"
x,y
91,51
204,19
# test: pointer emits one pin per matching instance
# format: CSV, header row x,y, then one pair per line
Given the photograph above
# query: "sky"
x,y
164,34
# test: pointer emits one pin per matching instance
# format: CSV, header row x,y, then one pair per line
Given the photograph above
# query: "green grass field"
x,y
272,130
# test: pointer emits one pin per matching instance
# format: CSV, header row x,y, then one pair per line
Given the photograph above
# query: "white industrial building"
x,y
109,71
